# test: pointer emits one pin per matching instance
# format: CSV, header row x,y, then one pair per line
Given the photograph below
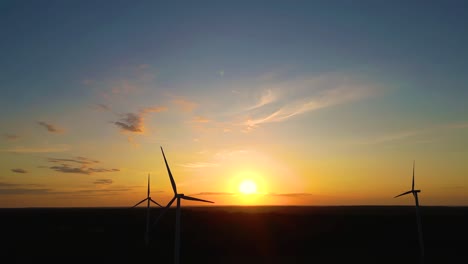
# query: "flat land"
x,y
276,234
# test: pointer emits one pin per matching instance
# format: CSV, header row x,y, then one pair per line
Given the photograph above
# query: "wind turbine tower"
x,y
149,200
418,216
177,196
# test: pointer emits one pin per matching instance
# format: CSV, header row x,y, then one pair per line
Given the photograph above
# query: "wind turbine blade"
x,y
195,199
174,187
155,202
140,202
412,186
164,210
405,193
148,185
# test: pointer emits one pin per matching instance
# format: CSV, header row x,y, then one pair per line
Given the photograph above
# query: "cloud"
x,y
185,105
100,192
199,165
267,97
298,107
21,189
48,149
134,123
102,107
124,87
66,166
154,109
11,137
103,181
79,160
19,170
51,128
283,100
131,122
411,133
200,119
35,189
79,170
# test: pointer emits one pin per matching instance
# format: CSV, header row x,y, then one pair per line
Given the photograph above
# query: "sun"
x,y
247,187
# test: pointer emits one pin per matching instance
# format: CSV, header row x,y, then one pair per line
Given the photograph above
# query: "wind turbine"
x,y
148,199
418,216
177,196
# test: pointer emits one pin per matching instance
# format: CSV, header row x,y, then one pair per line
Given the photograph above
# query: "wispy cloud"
x,y
51,128
200,119
79,170
19,170
11,137
199,165
21,189
67,166
100,192
282,100
36,189
184,104
46,149
401,135
134,123
298,107
266,98
103,181
79,160
102,107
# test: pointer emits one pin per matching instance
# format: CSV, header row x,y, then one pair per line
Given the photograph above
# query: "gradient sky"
x,y
317,102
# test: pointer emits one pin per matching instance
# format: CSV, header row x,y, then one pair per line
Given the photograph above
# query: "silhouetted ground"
x,y
349,234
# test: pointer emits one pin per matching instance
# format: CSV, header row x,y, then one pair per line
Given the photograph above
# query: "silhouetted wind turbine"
x,y
418,216
148,199
177,196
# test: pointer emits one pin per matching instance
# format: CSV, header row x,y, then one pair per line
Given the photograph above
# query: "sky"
x,y
312,102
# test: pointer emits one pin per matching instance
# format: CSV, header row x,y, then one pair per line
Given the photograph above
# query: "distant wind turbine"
x,y
177,196
148,199
418,216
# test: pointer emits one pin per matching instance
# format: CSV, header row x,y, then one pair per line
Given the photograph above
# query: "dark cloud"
x,y
66,169
131,122
80,170
100,192
19,170
36,189
11,137
103,181
14,188
79,160
134,123
51,128
84,166
102,107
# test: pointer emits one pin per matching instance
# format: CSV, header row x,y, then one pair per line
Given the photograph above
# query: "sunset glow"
x,y
310,103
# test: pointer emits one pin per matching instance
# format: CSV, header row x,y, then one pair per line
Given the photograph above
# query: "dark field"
x,y
349,234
